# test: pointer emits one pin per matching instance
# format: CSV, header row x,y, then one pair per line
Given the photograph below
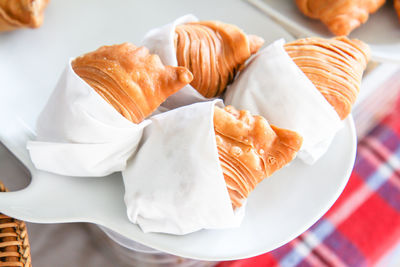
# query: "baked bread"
x,y
133,81
250,150
397,7
213,51
340,16
16,14
335,66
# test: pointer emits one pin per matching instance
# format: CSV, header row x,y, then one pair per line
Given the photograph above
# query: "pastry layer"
x,y
133,81
213,51
340,16
335,66
250,150
16,14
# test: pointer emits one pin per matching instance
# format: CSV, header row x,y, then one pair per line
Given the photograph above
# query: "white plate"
x,y
381,31
281,207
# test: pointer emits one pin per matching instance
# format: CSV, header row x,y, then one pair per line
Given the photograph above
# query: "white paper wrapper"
x,y
80,134
274,87
174,183
160,41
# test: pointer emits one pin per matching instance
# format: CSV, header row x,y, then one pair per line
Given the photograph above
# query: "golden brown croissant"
x,y
16,14
133,81
250,150
213,51
335,66
340,16
397,7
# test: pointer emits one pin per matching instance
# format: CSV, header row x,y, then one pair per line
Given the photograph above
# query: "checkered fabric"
x,y
364,223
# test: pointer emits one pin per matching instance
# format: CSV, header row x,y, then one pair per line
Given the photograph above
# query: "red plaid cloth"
x,y
364,223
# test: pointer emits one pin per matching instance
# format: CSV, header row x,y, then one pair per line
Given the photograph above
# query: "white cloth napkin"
x,y
160,41
80,134
274,87
174,183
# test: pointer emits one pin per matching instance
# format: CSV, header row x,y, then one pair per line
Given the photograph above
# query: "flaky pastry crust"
x,y
133,81
335,66
213,51
250,150
16,14
340,16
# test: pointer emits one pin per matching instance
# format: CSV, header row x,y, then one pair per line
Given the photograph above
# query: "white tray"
x,y
281,207
381,31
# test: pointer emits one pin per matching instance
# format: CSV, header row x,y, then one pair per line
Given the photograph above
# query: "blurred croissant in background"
x,y
16,14
397,7
250,150
213,51
335,66
340,16
133,81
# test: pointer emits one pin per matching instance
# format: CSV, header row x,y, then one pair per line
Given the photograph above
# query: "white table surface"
x,y
73,244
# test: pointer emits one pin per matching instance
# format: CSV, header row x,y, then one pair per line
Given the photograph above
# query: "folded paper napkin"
x,y
180,188
274,87
80,134
174,159
170,165
160,41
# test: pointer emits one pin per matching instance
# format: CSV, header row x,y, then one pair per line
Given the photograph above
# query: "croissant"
x,y
397,7
335,66
16,14
340,16
133,81
250,150
213,51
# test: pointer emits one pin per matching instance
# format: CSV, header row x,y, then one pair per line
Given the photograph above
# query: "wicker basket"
x,y
14,243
